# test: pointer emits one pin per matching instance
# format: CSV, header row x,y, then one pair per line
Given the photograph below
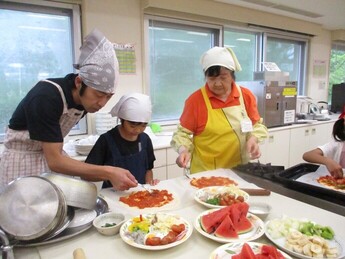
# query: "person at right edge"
x,y
331,154
220,126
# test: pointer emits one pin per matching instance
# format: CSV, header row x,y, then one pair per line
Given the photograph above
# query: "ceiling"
x,y
329,13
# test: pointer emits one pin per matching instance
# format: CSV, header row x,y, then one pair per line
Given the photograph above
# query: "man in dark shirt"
x,y
34,138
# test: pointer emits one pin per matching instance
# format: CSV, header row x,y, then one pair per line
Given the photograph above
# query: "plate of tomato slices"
x,y
156,231
220,196
244,250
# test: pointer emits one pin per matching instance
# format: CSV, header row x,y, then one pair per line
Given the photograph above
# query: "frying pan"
x,y
78,193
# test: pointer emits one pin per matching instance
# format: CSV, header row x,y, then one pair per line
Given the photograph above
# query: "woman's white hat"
x,y
133,107
220,56
97,64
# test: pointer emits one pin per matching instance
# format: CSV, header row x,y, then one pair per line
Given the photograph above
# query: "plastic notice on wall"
x,y
125,54
271,66
289,91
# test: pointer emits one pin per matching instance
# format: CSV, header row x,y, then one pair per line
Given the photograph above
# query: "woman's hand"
x,y
183,159
253,148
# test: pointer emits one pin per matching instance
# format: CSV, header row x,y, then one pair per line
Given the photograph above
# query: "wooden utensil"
x,y
257,192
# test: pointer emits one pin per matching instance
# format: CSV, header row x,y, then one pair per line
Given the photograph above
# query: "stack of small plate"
x,y
84,146
104,122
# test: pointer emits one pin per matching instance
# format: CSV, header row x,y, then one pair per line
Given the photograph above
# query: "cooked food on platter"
x,y
248,250
303,238
146,199
332,183
220,196
156,231
230,224
204,181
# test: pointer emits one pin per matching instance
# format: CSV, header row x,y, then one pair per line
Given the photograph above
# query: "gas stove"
x,y
266,171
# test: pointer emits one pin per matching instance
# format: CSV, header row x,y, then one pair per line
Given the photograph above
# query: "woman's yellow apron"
x,y
221,144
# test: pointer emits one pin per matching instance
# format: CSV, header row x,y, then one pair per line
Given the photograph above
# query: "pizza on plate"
x,y
330,182
211,181
145,199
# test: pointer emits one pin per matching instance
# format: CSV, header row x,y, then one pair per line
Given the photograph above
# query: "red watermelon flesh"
x,y
226,229
271,252
238,215
209,222
246,253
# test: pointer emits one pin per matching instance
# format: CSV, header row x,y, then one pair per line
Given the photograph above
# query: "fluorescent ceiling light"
x,y
182,41
198,33
229,46
243,39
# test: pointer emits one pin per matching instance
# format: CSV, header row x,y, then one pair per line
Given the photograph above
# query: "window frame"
x,y
55,8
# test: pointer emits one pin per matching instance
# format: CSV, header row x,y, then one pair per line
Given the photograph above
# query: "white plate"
x,y
257,231
129,240
82,217
208,192
226,251
279,242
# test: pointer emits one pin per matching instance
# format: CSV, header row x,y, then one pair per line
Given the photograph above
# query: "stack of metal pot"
x,y
37,208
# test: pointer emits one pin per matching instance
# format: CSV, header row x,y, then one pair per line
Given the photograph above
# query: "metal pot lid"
x,y
29,207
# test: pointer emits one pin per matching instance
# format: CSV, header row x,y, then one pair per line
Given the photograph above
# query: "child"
x,y
127,145
332,154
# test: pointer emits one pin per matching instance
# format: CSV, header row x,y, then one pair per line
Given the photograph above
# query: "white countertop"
x,y
98,246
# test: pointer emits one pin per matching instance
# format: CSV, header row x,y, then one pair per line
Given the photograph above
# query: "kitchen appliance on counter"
x,y
307,109
276,100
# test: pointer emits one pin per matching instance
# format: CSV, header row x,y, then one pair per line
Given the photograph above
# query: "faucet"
x,y
6,248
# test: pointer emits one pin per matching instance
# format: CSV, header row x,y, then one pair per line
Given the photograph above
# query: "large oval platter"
x,y
280,242
202,195
164,219
256,232
226,251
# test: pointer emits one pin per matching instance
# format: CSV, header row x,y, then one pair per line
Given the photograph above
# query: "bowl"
x,y
260,209
104,223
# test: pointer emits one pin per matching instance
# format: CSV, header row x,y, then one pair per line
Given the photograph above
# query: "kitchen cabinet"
x,y
165,164
160,170
275,148
306,138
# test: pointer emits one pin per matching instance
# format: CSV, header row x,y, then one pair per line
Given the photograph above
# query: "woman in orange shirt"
x,y
220,126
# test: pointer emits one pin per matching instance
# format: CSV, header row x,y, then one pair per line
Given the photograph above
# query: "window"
x,y
174,62
289,55
246,47
337,67
37,42
175,48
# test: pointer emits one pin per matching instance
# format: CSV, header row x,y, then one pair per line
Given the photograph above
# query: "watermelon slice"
x,y
271,252
238,215
226,229
209,222
246,253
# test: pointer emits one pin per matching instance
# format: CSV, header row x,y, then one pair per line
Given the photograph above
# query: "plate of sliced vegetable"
x,y
156,231
303,238
220,196
243,250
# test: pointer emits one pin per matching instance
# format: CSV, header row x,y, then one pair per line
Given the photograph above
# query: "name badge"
x,y
246,126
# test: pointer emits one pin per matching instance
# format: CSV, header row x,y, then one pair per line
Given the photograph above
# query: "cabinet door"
x,y
320,134
174,171
299,139
161,157
160,173
275,149
171,156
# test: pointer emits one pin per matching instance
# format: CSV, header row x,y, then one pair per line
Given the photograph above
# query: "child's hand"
x,y
153,182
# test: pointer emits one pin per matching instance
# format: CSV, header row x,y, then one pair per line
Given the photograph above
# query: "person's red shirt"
x,y
194,116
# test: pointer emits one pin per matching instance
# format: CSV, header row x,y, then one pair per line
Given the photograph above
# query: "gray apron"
x,y
23,156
